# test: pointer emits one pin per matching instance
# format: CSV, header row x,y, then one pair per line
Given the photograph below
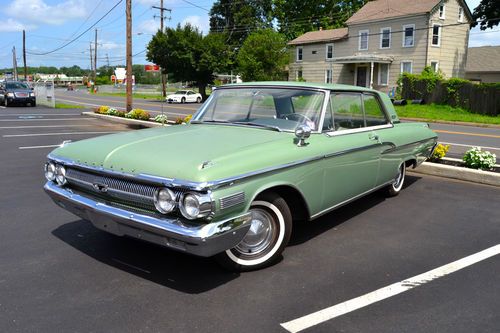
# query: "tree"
x,y
239,18
296,17
188,55
488,13
263,56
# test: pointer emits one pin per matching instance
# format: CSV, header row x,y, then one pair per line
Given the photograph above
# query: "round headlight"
x,y
50,171
190,206
164,200
60,175
194,206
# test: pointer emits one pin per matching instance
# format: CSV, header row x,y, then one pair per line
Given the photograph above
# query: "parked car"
x,y
184,96
15,92
255,158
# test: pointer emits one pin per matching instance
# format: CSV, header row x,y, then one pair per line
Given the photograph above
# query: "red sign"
x,y
151,68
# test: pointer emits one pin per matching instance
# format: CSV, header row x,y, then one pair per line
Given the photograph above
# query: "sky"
x,y
49,24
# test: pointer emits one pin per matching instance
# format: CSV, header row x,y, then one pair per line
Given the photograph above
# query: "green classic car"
x,y
255,158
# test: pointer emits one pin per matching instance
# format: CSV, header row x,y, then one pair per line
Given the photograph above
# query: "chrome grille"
x,y
232,200
113,189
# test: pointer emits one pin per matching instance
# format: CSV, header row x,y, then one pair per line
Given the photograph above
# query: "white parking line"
x,y
40,114
48,134
57,119
462,145
43,126
38,147
321,316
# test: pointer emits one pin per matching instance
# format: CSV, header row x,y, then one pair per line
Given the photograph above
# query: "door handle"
x,y
373,137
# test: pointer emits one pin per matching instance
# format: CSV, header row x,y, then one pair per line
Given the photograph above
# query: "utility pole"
x,y
24,57
128,14
91,61
14,63
162,9
95,55
107,60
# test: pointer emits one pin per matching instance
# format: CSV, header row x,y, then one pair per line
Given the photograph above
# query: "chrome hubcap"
x,y
260,234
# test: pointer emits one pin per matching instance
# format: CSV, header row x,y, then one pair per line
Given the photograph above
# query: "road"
x,y
60,274
460,138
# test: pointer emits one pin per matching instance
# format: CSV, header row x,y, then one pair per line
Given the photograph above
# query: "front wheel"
x,y
397,185
183,100
269,233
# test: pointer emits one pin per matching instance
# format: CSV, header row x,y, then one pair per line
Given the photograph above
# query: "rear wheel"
x,y
5,103
397,185
198,100
33,104
269,233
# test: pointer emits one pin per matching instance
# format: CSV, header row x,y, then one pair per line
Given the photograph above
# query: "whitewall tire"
x,y
397,185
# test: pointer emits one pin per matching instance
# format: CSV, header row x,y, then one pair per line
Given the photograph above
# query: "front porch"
x,y
367,70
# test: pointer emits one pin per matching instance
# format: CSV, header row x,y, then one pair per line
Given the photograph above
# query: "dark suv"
x,y
15,92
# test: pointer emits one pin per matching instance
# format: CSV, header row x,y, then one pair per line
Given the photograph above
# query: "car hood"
x,y
189,152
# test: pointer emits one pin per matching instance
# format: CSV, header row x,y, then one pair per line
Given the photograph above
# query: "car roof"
x,y
300,85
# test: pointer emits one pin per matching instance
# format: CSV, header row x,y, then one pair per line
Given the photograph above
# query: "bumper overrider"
x,y
199,239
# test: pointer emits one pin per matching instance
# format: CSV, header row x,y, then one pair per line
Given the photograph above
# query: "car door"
x,y
352,161
190,96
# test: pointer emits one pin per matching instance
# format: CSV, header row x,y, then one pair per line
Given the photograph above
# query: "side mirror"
x,y
302,132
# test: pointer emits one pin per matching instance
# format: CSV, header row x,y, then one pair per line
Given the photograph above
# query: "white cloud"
x,y
11,25
150,26
201,23
40,12
104,45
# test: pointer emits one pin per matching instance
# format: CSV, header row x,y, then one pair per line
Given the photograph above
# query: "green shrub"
x,y
115,112
477,159
138,114
161,118
439,152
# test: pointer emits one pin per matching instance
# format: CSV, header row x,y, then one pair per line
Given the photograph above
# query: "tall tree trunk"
x,y
202,89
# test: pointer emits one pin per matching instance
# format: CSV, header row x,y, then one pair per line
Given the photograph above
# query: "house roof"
x,y
320,36
384,9
483,59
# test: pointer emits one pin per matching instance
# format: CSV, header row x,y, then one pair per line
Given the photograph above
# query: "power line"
x,y
80,35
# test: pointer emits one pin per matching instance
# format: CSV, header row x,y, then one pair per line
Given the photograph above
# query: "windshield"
x,y
279,108
180,92
16,85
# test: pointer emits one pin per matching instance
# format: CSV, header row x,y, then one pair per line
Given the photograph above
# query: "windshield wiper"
x,y
271,127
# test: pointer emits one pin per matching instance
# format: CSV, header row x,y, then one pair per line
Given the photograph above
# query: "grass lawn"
x,y
436,112
138,95
69,106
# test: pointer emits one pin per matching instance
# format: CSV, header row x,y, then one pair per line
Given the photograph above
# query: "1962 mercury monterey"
x,y
255,158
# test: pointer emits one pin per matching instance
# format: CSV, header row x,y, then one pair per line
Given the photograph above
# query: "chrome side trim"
x,y
205,186
396,148
325,211
359,130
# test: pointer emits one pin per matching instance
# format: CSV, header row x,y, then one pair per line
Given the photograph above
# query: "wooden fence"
x,y
477,98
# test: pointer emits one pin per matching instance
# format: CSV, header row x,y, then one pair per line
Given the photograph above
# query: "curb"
x,y
446,122
125,121
454,172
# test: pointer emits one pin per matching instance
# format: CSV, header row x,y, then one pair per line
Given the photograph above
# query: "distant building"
x,y
483,64
384,39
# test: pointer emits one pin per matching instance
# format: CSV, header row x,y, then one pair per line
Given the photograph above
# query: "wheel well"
x,y
411,163
294,199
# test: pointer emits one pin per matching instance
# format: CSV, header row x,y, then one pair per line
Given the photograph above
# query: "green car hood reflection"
x,y
189,152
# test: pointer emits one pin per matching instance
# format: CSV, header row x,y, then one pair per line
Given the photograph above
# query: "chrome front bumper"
x,y
202,240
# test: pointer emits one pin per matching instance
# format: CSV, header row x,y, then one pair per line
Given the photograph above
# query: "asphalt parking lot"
x,y
60,274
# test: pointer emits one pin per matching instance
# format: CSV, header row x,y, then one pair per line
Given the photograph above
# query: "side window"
x,y
347,111
374,114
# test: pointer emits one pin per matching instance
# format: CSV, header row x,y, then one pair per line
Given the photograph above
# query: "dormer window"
x,y
299,53
441,11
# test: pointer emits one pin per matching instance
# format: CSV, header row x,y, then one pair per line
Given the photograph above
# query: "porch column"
x,y
371,75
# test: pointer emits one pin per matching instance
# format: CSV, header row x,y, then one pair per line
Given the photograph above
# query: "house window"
x,y
460,14
363,40
406,67
385,38
383,74
299,53
408,35
328,76
329,51
436,35
435,66
441,11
